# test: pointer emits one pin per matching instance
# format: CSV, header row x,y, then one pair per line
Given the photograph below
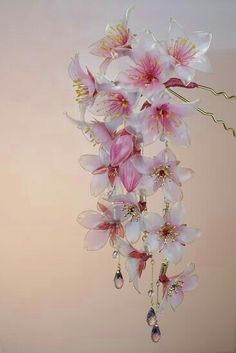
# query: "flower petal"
x,y
202,40
190,283
133,231
90,162
98,184
173,251
144,165
176,214
183,174
96,239
121,149
90,219
176,299
172,192
129,176
188,235
152,221
153,243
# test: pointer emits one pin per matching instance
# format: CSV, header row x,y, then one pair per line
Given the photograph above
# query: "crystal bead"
x,y
151,293
156,333
118,280
151,317
115,254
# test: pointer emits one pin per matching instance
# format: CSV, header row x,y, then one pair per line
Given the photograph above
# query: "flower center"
x,y
175,287
167,232
162,172
132,211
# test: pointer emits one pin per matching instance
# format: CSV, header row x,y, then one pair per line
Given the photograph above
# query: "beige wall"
x,y
54,296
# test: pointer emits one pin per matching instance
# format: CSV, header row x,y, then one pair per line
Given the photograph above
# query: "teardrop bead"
x,y
156,333
151,317
118,280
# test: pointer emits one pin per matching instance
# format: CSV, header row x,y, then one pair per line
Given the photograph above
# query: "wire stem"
x,y
204,112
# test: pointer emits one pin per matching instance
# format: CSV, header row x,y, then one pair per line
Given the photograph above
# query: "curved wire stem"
x,y
204,112
221,93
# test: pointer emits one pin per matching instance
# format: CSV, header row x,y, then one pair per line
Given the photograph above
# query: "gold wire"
x,y
221,93
204,112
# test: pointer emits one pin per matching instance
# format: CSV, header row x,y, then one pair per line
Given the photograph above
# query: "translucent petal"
x,y
133,231
173,251
98,184
90,162
90,219
188,235
176,299
96,239
190,283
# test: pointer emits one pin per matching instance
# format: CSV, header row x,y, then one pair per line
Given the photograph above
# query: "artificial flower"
x,y
111,166
174,287
115,43
84,83
147,74
162,171
139,219
186,52
169,234
102,226
163,119
136,260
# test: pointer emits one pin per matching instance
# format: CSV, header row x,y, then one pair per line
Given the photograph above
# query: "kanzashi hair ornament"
x,y
136,108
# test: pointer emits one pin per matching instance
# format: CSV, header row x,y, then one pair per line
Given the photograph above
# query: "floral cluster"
x,y
134,109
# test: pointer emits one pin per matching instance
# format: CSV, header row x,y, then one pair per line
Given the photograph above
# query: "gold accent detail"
x,y
221,93
204,112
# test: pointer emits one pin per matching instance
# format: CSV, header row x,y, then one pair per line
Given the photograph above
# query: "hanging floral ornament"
x,y
138,107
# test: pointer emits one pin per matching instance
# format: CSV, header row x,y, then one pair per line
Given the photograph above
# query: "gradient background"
x,y
54,296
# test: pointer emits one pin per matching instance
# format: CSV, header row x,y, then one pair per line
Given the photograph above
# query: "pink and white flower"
x,y
187,52
102,226
83,81
162,171
110,167
136,260
147,74
115,103
116,42
169,234
174,287
137,215
163,119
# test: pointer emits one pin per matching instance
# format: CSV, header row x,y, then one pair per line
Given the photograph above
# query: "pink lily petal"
x,y
190,283
185,73
153,243
90,219
180,135
129,176
176,215
183,174
173,251
98,184
188,270
202,40
144,165
133,231
96,239
153,222
172,192
176,299
187,234
90,162
201,63
123,247
121,149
